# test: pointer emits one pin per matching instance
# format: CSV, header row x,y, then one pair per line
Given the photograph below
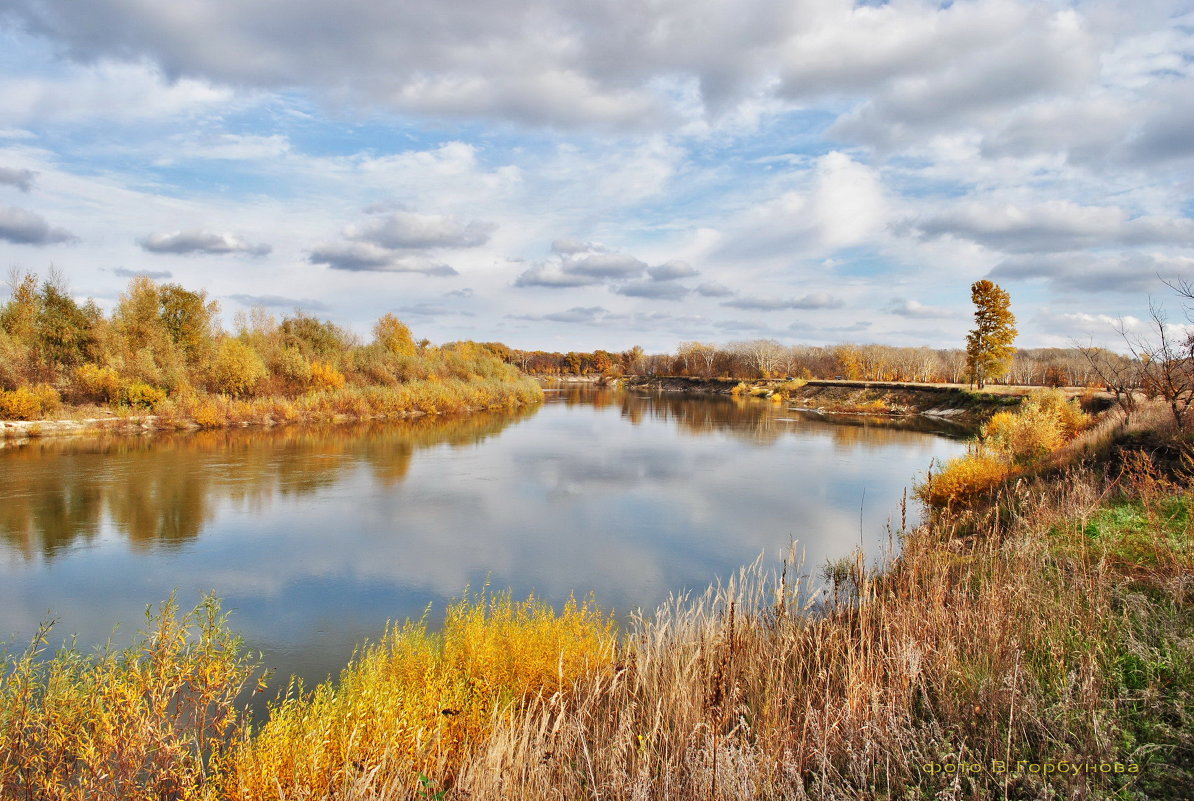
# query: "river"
x,y
315,537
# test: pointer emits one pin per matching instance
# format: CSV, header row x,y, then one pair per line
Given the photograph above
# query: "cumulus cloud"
x,y
567,247
907,307
1055,226
23,227
655,290
1088,272
368,257
577,314
814,300
431,310
672,270
397,241
714,289
280,301
845,206
572,63
21,179
575,264
968,63
196,241
401,230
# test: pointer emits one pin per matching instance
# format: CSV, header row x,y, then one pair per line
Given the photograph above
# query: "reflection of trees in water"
x,y
762,422
162,490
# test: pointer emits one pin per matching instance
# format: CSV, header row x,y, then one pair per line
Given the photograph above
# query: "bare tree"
x,y
1120,374
1166,360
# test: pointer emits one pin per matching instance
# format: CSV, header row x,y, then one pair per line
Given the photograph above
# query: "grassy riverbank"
x,y
1034,641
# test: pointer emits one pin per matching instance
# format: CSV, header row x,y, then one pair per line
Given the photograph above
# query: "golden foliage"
x,y
143,395
393,334
1045,421
100,384
324,376
417,703
29,403
989,348
963,478
236,368
143,724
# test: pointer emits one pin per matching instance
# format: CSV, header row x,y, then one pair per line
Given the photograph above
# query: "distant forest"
x,y
766,358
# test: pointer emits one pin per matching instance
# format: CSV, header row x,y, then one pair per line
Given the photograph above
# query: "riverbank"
x,y
956,403
343,404
1035,643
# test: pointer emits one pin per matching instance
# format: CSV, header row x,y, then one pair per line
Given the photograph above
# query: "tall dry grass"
x,y
994,640
1039,646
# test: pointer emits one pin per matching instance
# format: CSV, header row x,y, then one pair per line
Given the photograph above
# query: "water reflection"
x,y
163,490
317,536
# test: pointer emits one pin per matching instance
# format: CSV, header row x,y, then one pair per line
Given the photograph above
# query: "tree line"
x,y
163,345
767,358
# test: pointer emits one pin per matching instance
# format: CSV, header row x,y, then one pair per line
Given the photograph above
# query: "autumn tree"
x,y
989,348
392,334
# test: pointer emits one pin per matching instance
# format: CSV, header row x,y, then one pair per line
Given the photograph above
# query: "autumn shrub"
x,y
962,479
29,403
325,376
209,414
141,395
142,724
416,703
96,383
393,335
236,368
1044,422
289,365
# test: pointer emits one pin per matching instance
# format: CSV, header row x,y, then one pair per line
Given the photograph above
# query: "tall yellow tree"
x,y
989,346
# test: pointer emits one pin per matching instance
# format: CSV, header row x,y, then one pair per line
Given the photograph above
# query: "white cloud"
x,y
1055,226
577,264
196,241
909,307
654,290
814,300
368,257
408,229
846,205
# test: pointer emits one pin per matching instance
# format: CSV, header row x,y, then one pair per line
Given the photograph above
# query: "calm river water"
x,y
314,537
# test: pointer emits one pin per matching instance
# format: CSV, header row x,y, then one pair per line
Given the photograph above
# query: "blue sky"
x,y
603,174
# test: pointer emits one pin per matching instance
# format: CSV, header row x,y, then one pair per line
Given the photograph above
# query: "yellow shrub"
x,y
236,369
961,479
324,376
417,702
143,395
1044,422
96,383
209,415
29,403
138,725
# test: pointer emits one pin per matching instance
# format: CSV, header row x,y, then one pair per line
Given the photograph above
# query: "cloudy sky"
x,y
603,173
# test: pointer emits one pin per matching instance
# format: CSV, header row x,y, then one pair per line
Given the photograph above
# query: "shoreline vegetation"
x,y
161,360
1034,638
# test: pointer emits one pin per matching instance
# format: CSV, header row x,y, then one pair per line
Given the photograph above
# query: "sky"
x,y
579,174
